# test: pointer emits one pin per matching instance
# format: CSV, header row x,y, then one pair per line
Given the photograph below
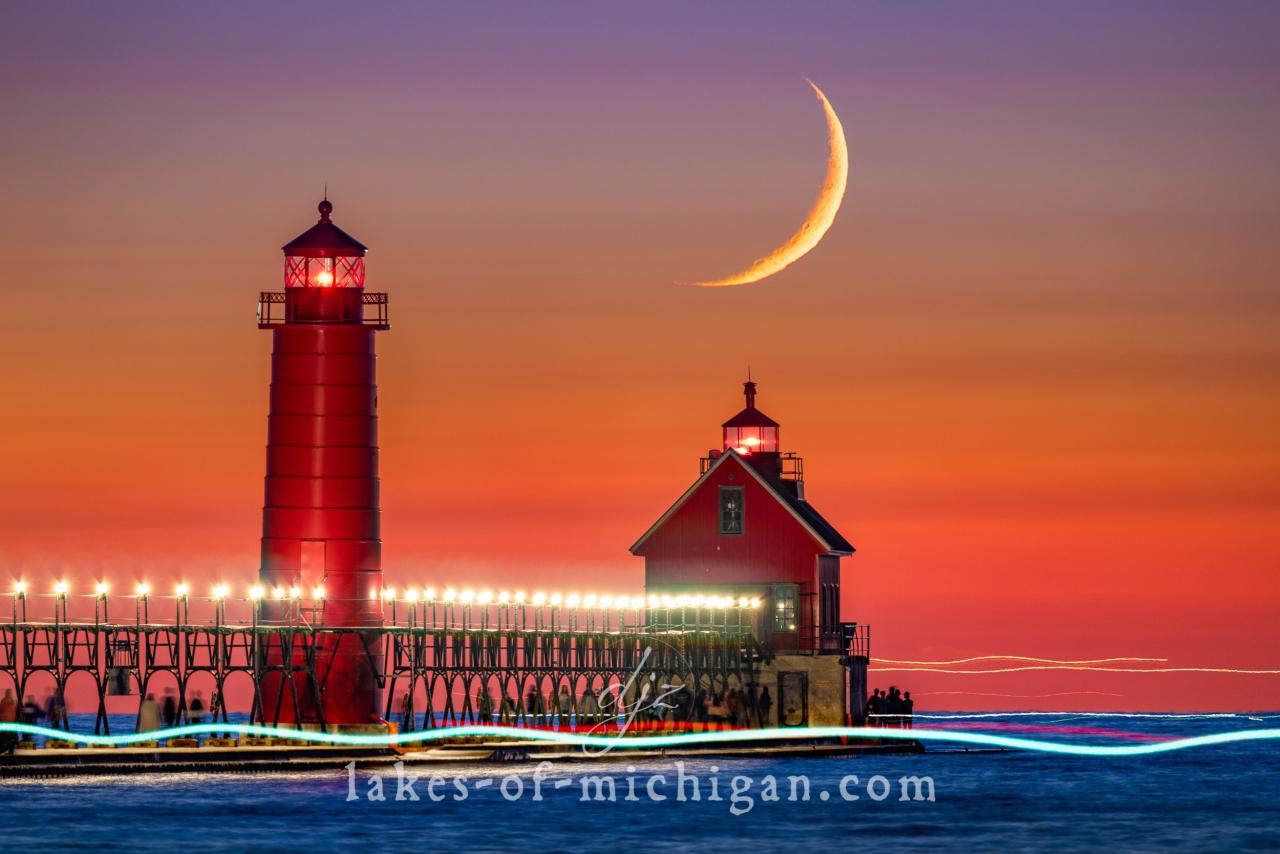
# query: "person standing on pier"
x,y
408,717
148,714
893,705
30,713
507,711
170,709
8,715
55,710
195,714
875,708
215,706
542,709
588,708
700,702
564,706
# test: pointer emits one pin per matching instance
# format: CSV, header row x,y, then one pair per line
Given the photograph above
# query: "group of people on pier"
x,y
892,708
152,715
734,707
52,712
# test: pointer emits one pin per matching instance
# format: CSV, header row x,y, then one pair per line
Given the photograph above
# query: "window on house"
x,y
784,609
731,509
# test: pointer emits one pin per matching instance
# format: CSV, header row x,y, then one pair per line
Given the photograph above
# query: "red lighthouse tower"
x,y
321,538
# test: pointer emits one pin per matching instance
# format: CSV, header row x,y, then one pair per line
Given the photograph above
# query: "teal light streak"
x,y
655,741
1152,715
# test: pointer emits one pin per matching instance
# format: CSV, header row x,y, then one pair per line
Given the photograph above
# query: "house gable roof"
x,y
802,511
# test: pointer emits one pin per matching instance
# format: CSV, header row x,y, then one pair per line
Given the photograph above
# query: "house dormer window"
x,y
731,509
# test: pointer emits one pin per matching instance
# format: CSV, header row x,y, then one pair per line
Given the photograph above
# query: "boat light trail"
x,y
676,740
1154,715
1054,729
1023,669
1016,658
1019,696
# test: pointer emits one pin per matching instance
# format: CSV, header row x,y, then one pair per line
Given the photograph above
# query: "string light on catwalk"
x,y
446,606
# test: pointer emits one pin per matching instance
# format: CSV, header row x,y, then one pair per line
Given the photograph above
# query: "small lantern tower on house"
x,y
745,528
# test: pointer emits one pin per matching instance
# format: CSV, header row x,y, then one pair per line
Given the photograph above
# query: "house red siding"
x,y
688,549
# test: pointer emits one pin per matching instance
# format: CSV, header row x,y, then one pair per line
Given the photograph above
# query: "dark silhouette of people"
x,y
507,709
700,701
893,706
195,714
766,707
215,707
589,708
8,715
55,711
717,710
873,709
890,708
733,707
682,699
407,716
30,712
169,710
148,714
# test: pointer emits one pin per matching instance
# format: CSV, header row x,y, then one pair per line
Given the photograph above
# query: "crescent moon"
x,y
820,217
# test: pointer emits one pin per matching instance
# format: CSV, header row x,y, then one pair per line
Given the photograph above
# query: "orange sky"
x,y
1033,369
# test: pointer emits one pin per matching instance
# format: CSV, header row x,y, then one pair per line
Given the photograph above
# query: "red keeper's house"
x,y
745,528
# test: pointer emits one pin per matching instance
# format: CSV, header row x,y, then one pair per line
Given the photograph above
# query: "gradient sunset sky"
x,y
1034,368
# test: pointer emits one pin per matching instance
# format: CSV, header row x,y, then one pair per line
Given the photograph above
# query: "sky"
x,y
1033,369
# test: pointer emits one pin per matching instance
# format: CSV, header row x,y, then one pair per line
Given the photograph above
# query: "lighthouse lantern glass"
x,y
751,440
304,271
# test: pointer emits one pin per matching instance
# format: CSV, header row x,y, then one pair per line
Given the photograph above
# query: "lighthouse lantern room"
x,y
323,280
751,431
324,256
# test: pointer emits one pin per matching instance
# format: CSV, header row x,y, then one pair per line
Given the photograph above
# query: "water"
x,y
1225,796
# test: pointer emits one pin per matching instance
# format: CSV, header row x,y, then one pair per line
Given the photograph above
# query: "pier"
x,y
440,660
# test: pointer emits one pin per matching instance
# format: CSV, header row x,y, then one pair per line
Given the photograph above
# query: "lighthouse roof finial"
x,y
750,417
324,239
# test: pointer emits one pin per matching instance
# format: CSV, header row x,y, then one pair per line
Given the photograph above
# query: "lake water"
x,y
1220,797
